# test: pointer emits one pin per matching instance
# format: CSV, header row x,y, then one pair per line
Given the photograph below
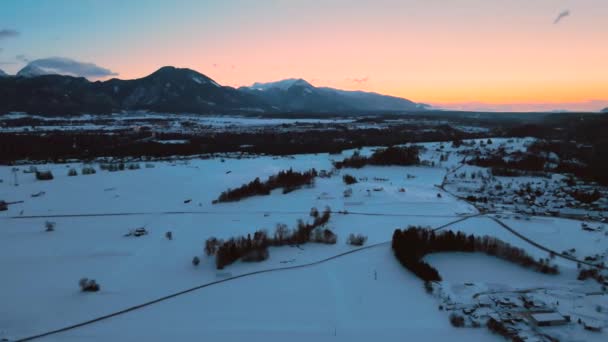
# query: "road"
x,y
195,288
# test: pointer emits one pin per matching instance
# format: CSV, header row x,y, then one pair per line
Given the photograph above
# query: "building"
x,y
593,326
546,319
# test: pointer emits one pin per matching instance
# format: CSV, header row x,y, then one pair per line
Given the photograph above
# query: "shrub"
x,y
325,236
347,193
348,179
72,172
356,240
457,320
196,261
44,175
428,287
50,226
88,285
388,156
88,170
169,235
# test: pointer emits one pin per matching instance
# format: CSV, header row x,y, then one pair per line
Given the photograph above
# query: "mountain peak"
x,y
282,84
2,73
171,73
605,110
31,70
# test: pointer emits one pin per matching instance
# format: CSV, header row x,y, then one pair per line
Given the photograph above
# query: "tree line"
x,y
393,155
412,244
255,248
288,180
59,145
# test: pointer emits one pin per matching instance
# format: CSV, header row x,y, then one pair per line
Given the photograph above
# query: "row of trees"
x,y
502,166
593,273
412,244
288,180
389,156
255,248
586,196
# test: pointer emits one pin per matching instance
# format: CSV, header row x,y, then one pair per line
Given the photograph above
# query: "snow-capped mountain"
x,y
283,84
298,95
32,70
2,73
170,89
605,110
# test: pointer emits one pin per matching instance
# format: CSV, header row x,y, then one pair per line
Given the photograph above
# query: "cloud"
x,y
560,16
8,33
359,80
22,58
67,66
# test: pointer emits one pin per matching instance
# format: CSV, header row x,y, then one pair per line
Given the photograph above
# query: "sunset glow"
x,y
437,52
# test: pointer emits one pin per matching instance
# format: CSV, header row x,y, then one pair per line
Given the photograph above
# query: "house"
x,y
140,232
44,175
545,319
593,326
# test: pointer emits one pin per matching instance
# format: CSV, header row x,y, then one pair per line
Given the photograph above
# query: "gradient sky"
x,y
470,54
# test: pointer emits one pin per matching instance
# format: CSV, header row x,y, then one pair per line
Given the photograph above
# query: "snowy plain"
x,y
359,296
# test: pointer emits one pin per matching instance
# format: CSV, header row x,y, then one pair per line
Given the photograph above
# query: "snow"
x,y
480,268
359,296
197,79
545,317
562,234
282,84
340,299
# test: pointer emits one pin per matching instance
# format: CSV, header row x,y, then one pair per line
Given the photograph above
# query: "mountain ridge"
x,y
298,95
179,90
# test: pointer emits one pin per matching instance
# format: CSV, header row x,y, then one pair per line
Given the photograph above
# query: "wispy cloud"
x,y
22,58
67,66
358,80
8,33
560,16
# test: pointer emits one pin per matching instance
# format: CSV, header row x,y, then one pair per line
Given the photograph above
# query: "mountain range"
x,y
177,90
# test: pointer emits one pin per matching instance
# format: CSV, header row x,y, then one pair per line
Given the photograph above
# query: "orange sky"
x,y
432,51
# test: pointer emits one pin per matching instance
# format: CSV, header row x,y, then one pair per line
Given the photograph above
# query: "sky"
x,y
463,54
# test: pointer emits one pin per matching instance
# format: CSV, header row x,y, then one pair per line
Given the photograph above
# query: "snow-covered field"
x,y
357,296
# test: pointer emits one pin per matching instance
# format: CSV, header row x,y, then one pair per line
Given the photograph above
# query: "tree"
x,y
50,226
457,320
196,261
72,172
281,232
211,246
88,285
348,179
356,240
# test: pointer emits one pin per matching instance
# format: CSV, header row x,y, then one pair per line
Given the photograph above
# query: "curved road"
x,y
276,269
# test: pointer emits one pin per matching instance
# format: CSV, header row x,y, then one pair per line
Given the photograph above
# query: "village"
x,y
556,313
